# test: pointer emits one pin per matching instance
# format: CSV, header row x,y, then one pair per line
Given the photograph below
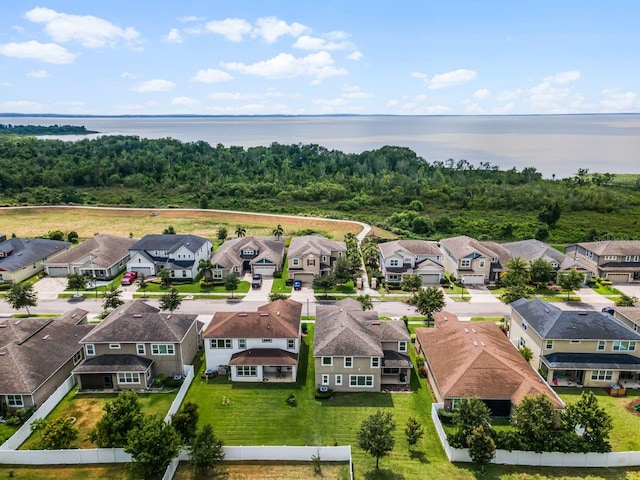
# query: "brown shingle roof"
x,y
228,254
477,360
106,250
613,247
279,319
264,356
314,244
463,246
413,247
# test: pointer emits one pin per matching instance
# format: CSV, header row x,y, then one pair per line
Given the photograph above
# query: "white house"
x,y
410,257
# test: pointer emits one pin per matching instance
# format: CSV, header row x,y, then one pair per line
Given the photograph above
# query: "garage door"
x,y
264,271
618,277
430,278
473,279
144,270
305,278
57,271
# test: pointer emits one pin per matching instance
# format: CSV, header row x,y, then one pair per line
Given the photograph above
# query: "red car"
x,y
128,278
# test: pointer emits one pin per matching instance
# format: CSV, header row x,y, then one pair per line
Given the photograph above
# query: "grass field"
x,y
243,287
34,222
270,471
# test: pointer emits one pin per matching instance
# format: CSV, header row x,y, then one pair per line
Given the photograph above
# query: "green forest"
x,y
7,129
390,187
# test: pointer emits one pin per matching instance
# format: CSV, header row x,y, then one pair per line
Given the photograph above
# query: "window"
x,y
220,343
601,375
402,346
588,254
247,252
162,349
325,379
394,262
295,262
267,340
184,274
15,401
291,343
338,379
524,325
242,343
455,402
114,346
311,262
246,371
602,345
549,344
128,377
627,258
624,346
390,371
465,263
77,357
523,342
361,380
90,349
217,274
481,264
375,362
327,361
636,258
610,257
348,362
324,258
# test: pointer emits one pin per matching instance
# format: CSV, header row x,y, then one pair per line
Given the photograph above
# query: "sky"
x,y
302,57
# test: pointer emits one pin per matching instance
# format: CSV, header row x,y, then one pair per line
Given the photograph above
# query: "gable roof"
x,y
478,360
170,243
630,313
278,319
410,247
33,349
344,329
105,250
551,323
464,247
139,322
612,247
533,249
314,244
228,254
27,251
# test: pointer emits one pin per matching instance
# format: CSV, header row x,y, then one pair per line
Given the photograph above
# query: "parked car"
x,y
256,280
297,285
128,278
608,310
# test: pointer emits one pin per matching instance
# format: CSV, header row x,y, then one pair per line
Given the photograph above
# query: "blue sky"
x,y
320,57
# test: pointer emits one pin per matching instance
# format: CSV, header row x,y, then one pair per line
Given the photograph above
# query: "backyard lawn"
x,y
87,409
243,287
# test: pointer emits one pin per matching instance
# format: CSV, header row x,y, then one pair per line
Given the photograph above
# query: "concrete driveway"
x,y
631,290
48,288
259,294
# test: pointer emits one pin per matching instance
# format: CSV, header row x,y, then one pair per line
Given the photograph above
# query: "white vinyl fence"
x,y
64,457
189,373
546,459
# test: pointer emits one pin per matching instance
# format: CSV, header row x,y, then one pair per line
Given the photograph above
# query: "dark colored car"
x,y
128,278
608,310
256,280
297,285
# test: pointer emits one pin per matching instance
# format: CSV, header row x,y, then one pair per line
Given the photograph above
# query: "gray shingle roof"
x,y
596,361
138,322
27,251
315,244
264,356
412,247
551,323
228,254
533,249
463,247
106,250
171,243
613,247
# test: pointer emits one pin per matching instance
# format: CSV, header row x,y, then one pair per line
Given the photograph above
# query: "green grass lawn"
x,y
6,431
346,288
280,285
243,287
487,319
606,290
120,471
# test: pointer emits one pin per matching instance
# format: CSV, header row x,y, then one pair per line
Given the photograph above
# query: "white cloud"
x,y
357,55
307,42
155,85
474,108
438,110
420,76
128,75
508,95
45,52
233,29
616,101
39,74
190,18
238,96
271,28
451,79
563,77
481,93
392,103
22,106
211,75
173,36
503,109
318,65
90,31
185,102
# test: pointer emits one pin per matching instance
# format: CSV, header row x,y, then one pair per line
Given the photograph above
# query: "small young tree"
x,y
120,416
205,269
341,271
278,231
365,300
58,434
22,295
469,414
376,435
626,301
186,422
534,421
169,230
77,282
428,301
165,276
273,296
72,237
324,282
231,283
593,421
142,283
221,233
526,353
482,448
206,452
570,281
411,283
517,272
413,431
170,301
111,298
152,445
541,272
516,292
241,231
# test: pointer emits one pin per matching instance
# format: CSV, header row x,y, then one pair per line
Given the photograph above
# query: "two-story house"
x,y
180,254
472,262
102,256
354,351
476,359
576,347
312,255
532,249
614,260
256,346
630,316
411,257
37,355
134,344
21,258
247,255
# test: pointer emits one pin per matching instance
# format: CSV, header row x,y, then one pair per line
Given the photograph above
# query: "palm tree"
x,y
517,271
204,268
278,231
240,231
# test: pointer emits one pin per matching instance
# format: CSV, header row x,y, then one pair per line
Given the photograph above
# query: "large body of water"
x,y
554,144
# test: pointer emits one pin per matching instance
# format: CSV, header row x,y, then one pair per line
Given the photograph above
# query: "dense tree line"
x,y
390,186
9,129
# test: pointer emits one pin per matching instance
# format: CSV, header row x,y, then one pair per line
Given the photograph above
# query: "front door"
x,y
108,381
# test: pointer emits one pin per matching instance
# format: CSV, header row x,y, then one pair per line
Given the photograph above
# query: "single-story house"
x,y
247,255
21,258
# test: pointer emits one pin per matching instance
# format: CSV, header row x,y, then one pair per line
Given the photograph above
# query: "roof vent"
x,y
475,343
3,353
474,330
242,314
278,313
466,330
546,310
46,337
18,322
168,316
582,313
73,315
137,315
4,325
375,323
483,344
263,314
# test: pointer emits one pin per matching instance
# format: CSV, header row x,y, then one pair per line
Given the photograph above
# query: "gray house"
x,y
614,260
313,255
21,258
532,249
247,255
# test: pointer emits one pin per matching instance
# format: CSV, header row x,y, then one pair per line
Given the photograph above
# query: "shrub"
x,y
277,274
606,283
419,361
305,328
445,417
20,416
171,382
289,282
291,400
205,284
444,281
323,395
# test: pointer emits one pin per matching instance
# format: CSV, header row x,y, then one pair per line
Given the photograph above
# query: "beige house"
x,y
532,249
21,258
135,343
247,255
472,262
354,351
411,257
476,359
614,260
313,255
630,316
576,347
